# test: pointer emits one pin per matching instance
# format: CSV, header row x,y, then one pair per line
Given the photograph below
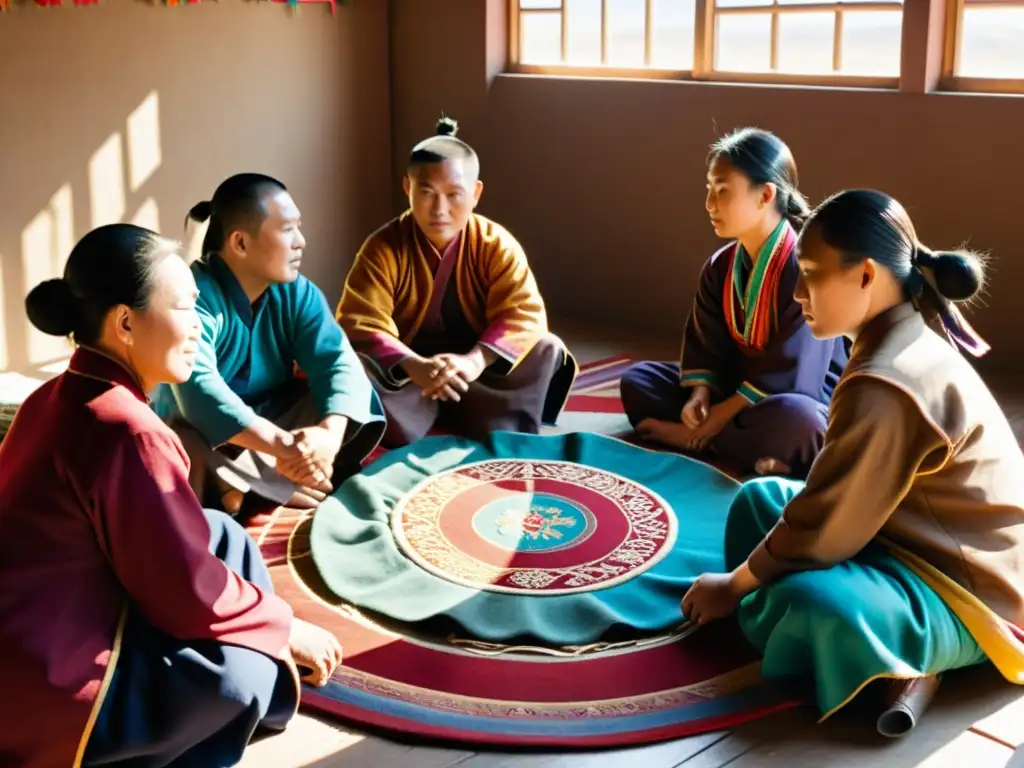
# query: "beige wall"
x,y
128,110
602,180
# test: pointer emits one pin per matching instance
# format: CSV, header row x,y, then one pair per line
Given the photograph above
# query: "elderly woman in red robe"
x,y
136,628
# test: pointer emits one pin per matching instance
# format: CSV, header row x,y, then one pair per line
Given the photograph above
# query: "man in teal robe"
x,y
279,407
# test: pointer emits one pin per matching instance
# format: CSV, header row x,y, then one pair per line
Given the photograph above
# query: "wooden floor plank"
x,y
848,740
723,752
664,755
378,752
969,749
1006,725
307,739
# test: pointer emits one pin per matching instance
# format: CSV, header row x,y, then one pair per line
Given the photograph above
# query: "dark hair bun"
x,y
959,275
447,126
201,211
52,308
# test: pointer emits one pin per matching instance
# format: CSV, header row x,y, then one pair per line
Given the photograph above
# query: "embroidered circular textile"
x,y
557,540
530,527
439,647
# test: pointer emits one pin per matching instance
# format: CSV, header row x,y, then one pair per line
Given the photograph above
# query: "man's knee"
x,y
549,346
400,434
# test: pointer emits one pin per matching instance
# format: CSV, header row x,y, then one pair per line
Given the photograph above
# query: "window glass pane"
x,y
840,2
626,32
743,43
673,33
528,4
541,38
992,42
583,46
805,42
741,3
871,43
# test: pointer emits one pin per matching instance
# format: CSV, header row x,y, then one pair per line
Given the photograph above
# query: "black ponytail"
x,y
444,145
238,204
867,224
797,209
957,275
109,266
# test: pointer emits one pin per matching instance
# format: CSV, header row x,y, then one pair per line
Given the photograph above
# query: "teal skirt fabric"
x,y
840,627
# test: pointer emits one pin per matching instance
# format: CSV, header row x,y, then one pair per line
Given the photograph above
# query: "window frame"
x,y
950,80
703,70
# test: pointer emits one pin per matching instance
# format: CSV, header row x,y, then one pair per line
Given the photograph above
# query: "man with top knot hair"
x,y
445,312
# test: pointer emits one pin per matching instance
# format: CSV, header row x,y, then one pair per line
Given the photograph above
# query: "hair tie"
x,y
922,257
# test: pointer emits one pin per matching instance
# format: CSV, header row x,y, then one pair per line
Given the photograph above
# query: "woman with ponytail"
x,y
903,553
753,384
137,628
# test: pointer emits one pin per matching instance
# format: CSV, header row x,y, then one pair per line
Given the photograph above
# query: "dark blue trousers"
x,y
191,704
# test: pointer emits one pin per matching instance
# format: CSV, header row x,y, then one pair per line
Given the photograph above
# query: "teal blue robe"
x,y
249,354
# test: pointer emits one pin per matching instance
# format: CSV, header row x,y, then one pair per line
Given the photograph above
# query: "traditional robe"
x,y
908,536
99,529
246,367
402,297
746,334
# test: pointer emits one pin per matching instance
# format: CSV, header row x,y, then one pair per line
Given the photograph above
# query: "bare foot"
x,y
232,501
674,434
769,466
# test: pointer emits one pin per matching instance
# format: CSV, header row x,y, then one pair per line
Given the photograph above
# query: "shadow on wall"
x,y
115,188
130,111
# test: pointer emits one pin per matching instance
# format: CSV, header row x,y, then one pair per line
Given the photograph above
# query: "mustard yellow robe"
x,y
391,286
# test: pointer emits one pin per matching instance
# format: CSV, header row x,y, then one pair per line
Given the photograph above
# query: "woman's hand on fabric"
x,y
695,412
315,651
712,596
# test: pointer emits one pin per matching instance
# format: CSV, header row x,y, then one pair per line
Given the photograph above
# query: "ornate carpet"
x,y
524,591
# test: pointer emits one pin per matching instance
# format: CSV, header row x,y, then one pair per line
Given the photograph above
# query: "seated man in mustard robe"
x,y
445,313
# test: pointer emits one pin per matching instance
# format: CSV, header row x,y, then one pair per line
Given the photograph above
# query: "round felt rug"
x,y
529,527
584,648
526,539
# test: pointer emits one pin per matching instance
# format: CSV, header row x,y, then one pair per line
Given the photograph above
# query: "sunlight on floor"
x,y
307,741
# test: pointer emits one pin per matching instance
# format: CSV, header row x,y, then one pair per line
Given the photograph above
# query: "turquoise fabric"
x,y
842,626
359,560
247,353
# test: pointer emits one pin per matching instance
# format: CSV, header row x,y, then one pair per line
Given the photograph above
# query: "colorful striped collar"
x,y
751,294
